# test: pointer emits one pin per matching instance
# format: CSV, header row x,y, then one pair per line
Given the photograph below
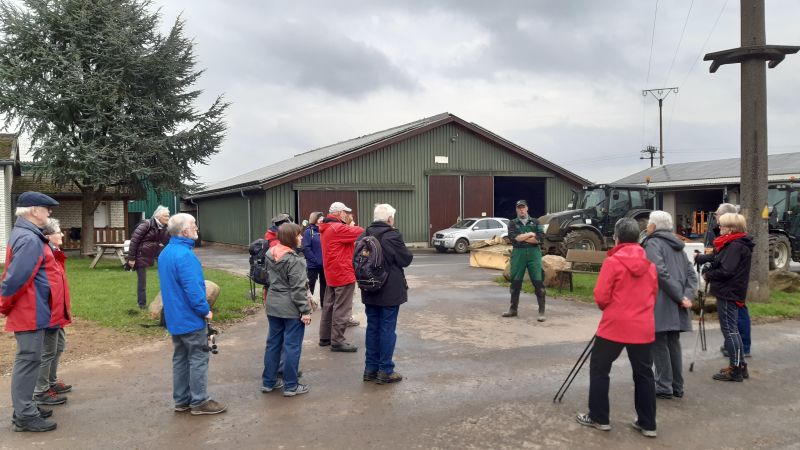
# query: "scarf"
x,y
723,240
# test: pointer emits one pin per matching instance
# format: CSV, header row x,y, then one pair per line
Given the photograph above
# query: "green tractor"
x,y
589,222
784,225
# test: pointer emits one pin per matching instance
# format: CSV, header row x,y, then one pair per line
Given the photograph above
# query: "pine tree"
x,y
106,98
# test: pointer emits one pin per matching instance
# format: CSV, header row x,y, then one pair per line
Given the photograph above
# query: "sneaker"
x,y
370,375
208,407
49,397
278,385
353,323
647,433
384,378
36,424
729,374
43,413
346,347
61,388
182,407
299,390
584,419
324,342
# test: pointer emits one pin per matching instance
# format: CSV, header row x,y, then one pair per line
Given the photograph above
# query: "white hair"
x,y
661,219
159,211
178,223
383,212
53,226
23,211
726,208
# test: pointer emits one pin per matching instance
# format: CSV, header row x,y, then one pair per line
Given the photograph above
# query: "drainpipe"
x,y
249,222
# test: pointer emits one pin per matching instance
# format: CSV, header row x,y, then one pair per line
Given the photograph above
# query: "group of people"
x,y
35,299
324,251
646,291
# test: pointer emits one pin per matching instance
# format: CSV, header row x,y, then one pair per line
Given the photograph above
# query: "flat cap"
x,y
31,198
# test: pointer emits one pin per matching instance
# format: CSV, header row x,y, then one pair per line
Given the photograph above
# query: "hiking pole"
x,y
574,372
701,327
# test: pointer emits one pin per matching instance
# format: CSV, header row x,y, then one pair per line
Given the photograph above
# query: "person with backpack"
x,y
288,312
338,243
312,250
381,254
147,241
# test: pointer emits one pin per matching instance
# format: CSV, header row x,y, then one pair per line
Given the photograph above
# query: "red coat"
x,y
338,244
626,293
59,291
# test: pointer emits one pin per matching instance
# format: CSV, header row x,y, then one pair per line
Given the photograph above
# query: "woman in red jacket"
x,y
626,293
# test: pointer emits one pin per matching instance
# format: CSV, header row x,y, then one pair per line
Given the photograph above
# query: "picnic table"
x,y
101,249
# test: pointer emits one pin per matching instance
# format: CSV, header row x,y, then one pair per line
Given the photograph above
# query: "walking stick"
x,y
574,373
701,327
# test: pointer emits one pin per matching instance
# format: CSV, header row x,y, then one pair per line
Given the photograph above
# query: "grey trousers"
x,y
52,347
25,373
190,368
141,285
336,313
669,364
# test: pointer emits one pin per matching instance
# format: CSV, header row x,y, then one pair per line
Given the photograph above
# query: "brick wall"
x,y
69,213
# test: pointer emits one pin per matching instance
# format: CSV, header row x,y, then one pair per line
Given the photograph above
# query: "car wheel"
x,y
441,249
461,246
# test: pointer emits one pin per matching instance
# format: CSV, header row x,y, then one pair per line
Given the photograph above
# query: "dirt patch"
x,y
85,339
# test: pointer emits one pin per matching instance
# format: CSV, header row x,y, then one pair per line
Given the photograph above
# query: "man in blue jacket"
x,y
183,291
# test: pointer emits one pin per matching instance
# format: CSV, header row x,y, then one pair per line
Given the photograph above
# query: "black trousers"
x,y
313,274
141,285
604,353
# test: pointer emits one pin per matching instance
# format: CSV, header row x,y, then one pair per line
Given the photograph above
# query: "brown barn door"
x,y
310,201
478,196
444,202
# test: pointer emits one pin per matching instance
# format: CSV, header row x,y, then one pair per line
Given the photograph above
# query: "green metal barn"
x,y
433,170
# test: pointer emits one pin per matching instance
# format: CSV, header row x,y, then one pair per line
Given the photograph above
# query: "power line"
x,y
680,40
647,78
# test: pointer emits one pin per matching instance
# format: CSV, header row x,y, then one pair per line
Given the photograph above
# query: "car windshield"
x,y
464,224
592,198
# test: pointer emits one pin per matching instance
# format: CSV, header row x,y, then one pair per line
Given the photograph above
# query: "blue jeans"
x,y
190,368
285,335
380,337
744,328
728,314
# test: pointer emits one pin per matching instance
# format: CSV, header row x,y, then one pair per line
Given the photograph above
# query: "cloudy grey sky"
x,y
560,78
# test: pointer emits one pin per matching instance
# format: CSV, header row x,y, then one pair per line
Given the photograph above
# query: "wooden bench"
x,y
591,258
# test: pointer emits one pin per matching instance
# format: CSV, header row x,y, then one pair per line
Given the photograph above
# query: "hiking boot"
x,y
647,433
745,373
49,397
664,396
370,375
729,374
512,312
182,407
584,419
61,388
300,389
324,342
36,424
677,394
346,348
43,413
278,385
393,377
353,323
208,407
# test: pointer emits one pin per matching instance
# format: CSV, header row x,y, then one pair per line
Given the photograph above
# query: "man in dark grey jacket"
x,y
677,285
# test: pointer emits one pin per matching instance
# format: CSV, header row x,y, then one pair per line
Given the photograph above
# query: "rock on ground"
x,y
212,293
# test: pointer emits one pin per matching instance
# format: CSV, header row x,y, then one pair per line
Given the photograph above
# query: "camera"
x,y
211,345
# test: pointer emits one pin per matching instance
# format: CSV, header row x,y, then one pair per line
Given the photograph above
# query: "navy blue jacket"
x,y
183,287
396,256
312,247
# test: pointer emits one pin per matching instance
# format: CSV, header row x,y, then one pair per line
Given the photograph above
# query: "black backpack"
x,y
258,261
368,264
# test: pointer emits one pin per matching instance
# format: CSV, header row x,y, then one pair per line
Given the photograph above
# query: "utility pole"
x,y
650,150
753,171
660,94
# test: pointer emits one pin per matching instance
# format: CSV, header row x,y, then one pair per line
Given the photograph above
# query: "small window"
x,y
482,225
493,224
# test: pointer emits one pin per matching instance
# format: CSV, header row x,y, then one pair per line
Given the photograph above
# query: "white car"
x,y
459,236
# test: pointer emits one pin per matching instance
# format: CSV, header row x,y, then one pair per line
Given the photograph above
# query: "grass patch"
x,y
781,304
107,295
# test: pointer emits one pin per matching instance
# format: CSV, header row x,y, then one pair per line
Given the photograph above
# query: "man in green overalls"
x,y
525,234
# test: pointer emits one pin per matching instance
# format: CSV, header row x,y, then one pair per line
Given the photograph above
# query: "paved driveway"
x,y
473,380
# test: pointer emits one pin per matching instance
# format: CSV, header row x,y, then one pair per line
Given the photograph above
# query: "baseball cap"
x,y
281,218
32,198
339,206
522,203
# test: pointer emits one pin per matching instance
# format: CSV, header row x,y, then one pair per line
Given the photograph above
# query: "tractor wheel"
x,y
582,240
780,252
461,246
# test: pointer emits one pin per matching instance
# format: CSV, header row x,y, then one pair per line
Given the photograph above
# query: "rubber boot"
x,y
516,287
540,298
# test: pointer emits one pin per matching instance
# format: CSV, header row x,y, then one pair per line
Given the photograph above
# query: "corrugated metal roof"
x,y
721,171
331,152
318,155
